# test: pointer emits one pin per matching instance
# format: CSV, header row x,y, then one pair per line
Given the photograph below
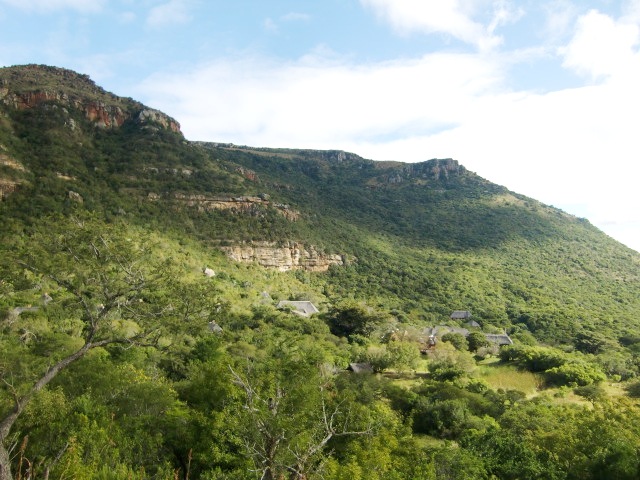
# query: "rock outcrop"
x,y
436,169
103,116
7,187
21,88
9,184
245,204
151,116
290,256
7,161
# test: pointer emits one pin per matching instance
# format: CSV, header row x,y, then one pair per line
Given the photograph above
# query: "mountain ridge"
x,y
148,326
422,238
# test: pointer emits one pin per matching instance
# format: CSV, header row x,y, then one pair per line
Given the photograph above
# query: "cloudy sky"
x,y
540,96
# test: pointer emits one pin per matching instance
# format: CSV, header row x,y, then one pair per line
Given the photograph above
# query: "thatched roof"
x,y
302,307
360,368
214,327
499,339
440,330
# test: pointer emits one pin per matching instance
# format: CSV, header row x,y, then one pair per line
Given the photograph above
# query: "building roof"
x,y
460,315
440,330
214,327
499,339
360,368
301,307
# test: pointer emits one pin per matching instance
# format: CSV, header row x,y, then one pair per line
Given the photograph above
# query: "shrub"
x,y
534,359
575,373
593,392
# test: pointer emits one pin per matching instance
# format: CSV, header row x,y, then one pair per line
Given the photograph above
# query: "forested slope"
x,y
121,359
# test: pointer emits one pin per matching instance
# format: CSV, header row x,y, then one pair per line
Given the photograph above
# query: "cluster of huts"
x,y
306,308
433,334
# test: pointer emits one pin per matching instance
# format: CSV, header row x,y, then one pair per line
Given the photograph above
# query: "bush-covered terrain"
x,y
119,358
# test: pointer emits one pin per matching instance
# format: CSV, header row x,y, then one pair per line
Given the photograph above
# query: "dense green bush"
x,y
575,373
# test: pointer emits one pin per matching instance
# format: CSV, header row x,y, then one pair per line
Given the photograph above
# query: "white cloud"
x,y
560,18
321,102
631,10
44,6
170,13
504,13
574,148
452,17
602,46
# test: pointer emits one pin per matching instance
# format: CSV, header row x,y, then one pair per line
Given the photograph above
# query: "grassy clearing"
x,y
427,441
509,377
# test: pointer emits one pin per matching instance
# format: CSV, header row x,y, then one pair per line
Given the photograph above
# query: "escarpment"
x,y
283,257
435,169
248,204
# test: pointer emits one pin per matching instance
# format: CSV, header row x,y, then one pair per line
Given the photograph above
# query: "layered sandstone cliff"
x,y
290,256
244,204
9,181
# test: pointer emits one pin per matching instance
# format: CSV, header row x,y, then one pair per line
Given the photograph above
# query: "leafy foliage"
x,y
184,376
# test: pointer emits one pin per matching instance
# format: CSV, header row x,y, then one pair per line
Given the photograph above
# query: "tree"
x,y
108,289
589,341
404,355
457,340
575,373
354,319
289,411
477,340
378,357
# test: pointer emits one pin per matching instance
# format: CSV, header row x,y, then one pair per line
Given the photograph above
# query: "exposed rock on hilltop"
x,y
31,85
149,115
435,169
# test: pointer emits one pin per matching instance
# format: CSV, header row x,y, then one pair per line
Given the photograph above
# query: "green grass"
x,y
509,377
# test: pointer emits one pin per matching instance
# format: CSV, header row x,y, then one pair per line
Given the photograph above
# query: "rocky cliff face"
x,y
9,181
22,88
148,115
245,204
7,187
436,169
291,256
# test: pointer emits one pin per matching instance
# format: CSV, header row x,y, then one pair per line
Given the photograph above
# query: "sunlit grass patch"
x,y
509,377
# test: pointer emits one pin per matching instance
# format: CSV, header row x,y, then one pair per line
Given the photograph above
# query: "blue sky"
x,y
538,95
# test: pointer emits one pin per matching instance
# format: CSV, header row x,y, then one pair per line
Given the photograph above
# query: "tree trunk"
x,y
5,464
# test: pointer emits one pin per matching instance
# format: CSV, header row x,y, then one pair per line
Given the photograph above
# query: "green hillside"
x,y
109,217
